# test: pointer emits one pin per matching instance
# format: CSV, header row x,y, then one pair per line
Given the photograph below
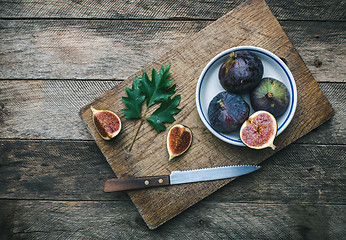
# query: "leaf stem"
x,y
139,127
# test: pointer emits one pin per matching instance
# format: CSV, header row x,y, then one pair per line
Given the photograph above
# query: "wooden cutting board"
x,y
251,23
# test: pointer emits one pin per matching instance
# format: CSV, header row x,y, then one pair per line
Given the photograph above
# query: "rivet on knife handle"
x,y
113,185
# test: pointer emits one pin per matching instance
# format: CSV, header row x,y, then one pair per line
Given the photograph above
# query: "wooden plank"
x,y
70,49
47,109
50,108
259,28
85,49
310,38
54,170
48,219
208,220
76,170
325,133
120,9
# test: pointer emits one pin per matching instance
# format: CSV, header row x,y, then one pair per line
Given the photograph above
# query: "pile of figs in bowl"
x,y
245,86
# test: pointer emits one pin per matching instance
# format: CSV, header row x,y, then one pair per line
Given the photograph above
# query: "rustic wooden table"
x,y
57,56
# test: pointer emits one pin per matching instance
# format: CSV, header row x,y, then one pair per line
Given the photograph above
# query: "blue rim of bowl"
x,y
270,55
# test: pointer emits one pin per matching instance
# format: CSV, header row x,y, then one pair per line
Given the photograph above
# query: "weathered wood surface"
x,y
156,9
288,197
33,170
287,205
149,154
104,49
210,220
57,103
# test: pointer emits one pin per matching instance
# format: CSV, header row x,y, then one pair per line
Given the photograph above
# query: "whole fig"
x,y
241,72
270,95
227,112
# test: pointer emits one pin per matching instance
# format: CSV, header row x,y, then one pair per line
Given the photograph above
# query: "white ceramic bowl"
x,y
208,87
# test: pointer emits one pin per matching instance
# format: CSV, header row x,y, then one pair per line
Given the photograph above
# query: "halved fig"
x,y
179,139
259,131
107,123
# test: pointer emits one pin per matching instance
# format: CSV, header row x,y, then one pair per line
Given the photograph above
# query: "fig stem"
x,y
139,127
270,94
272,146
222,105
233,55
93,110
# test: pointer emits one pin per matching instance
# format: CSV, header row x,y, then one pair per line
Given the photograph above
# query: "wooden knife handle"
x,y
113,185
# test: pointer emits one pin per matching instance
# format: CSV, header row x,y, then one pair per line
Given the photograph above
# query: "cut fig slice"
x,y
107,123
259,131
178,140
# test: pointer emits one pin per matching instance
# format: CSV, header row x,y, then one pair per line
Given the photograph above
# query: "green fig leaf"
x,y
158,88
155,91
164,113
133,101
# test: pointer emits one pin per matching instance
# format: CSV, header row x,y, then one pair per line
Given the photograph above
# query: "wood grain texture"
x,y
50,110
51,181
76,171
86,50
257,27
210,220
103,49
53,170
335,125
47,109
166,9
309,38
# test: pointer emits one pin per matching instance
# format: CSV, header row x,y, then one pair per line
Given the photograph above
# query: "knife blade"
x,y
179,177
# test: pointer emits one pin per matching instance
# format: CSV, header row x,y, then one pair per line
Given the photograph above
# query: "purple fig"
x,y
270,95
241,72
227,112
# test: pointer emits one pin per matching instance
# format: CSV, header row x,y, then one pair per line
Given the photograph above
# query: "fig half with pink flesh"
x,y
259,131
107,123
179,140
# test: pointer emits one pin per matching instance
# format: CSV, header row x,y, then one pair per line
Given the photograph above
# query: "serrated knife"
x,y
179,177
